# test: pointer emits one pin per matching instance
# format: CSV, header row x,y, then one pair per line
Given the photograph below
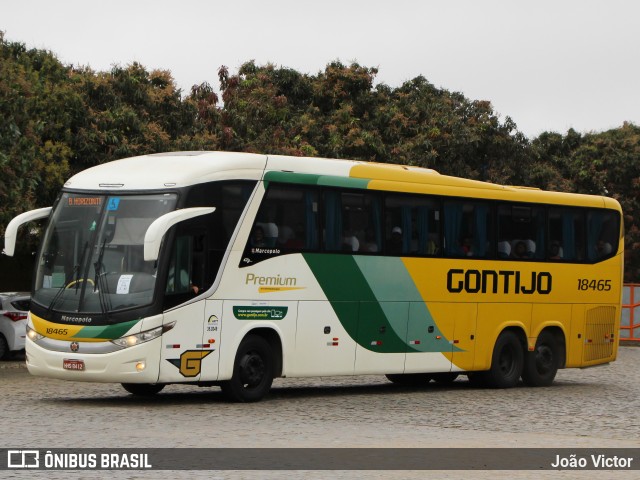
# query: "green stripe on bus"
x,y
356,305
108,332
391,283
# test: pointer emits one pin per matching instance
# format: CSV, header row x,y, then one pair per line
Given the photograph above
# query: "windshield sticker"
x,y
85,201
114,203
260,313
124,282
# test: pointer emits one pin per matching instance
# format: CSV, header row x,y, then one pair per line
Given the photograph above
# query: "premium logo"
x,y
277,280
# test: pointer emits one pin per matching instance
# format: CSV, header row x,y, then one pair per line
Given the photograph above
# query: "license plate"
x,y
77,365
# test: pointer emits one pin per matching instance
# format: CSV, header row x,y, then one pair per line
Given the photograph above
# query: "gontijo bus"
x,y
230,269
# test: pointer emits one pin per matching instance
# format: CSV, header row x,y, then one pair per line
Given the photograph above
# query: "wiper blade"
x,y
76,268
100,282
75,275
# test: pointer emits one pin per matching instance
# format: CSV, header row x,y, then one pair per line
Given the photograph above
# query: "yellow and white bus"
x,y
231,269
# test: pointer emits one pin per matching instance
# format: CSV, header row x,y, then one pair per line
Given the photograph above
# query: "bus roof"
x,y
179,169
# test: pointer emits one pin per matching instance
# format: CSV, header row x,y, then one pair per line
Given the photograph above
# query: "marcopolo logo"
x,y
501,281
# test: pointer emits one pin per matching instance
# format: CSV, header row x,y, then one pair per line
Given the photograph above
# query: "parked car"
x,y
13,321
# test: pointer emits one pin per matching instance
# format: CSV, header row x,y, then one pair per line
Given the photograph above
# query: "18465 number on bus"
x,y
592,284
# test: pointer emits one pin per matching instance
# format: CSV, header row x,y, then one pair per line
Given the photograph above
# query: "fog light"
x,y
140,366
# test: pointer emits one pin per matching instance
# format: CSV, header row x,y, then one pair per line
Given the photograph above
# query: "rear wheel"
x,y
253,371
507,362
541,365
409,379
143,389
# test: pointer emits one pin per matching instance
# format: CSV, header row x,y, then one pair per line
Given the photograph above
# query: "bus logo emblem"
x,y
75,346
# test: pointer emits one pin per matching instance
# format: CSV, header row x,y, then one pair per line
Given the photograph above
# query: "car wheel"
x,y
4,348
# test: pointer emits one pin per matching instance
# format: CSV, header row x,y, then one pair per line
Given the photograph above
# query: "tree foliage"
x,y
56,120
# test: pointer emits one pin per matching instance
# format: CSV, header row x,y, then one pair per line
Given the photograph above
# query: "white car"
x,y
13,321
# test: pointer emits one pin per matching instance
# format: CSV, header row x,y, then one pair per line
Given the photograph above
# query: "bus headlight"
x,y
142,337
33,335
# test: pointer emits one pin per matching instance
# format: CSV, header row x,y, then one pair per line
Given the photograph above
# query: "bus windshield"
x,y
91,260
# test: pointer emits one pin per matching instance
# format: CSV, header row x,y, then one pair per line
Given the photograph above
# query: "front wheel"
x,y
541,365
143,389
252,371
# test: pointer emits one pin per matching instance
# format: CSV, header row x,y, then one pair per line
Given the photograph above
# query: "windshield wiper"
x,y
100,282
75,275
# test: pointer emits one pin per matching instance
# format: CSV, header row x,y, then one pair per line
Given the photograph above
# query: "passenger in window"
x,y
257,238
395,242
504,249
603,248
520,251
555,251
432,247
370,244
350,243
467,247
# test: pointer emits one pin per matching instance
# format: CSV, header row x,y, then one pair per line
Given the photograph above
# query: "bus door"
x,y
186,350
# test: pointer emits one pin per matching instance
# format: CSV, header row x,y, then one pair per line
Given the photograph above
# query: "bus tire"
x,y
409,379
507,362
143,389
541,365
252,371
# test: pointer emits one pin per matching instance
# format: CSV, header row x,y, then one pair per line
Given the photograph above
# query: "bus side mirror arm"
x,y
11,233
160,226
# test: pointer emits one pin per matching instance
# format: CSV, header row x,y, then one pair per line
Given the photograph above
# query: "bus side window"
x,y
567,229
521,232
179,277
467,228
286,222
602,228
412,225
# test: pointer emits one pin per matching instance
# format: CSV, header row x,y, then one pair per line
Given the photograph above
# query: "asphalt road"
x,y
597,407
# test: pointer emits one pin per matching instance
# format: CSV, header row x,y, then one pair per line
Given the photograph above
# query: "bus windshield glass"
x,y
91,260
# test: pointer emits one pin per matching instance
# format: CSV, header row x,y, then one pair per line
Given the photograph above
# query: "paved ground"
x,y
598,407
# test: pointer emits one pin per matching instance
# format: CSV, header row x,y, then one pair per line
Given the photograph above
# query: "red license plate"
x,y
77,365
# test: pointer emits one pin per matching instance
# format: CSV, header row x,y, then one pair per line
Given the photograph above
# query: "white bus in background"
x,y
230,269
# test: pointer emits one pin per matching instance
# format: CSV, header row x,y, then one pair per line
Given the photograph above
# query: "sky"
x,y
550,65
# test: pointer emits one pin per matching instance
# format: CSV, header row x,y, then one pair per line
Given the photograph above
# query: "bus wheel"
x,y
541,365
444,378
409,379
143,389
252,371
507,362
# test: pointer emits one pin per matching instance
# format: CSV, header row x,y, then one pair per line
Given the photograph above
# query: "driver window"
x,y
179,278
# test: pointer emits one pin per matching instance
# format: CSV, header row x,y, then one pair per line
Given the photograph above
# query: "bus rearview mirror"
x,y
160,226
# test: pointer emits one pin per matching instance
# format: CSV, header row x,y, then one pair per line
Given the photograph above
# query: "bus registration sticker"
x,y
71,364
